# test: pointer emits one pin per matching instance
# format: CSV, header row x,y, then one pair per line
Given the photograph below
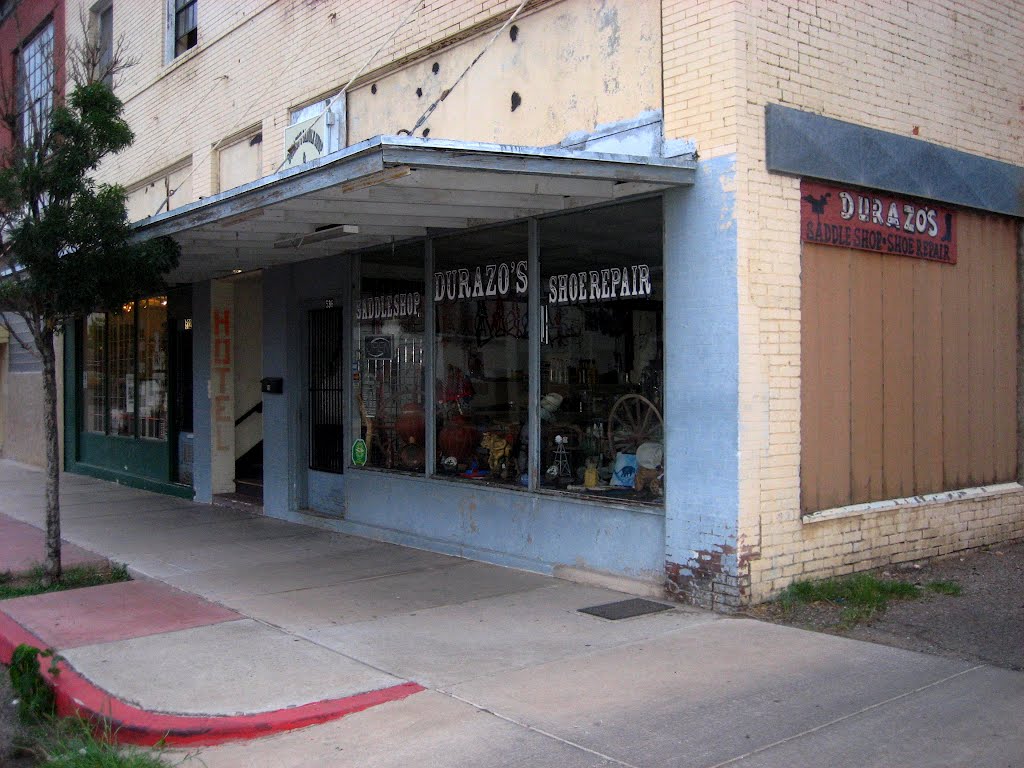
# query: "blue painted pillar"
x,y
202,476
279,445
702,389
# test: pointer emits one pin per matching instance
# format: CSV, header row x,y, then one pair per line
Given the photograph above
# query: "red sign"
x,y
870,221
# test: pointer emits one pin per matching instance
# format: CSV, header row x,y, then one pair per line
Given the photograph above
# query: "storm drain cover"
x,y
626,609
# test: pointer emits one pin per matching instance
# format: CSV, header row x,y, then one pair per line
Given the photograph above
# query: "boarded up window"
x,y
240,162
165,192
909,381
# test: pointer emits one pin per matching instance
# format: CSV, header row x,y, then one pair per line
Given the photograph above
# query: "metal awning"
x,y
394,188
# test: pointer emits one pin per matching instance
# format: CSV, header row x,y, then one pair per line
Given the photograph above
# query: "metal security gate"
x,y
326,390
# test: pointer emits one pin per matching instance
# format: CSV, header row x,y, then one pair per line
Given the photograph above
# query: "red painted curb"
x,y
132,725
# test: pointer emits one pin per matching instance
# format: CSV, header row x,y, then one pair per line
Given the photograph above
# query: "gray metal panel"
x,y
805,144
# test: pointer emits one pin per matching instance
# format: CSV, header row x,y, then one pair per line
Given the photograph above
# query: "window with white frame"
x,y
35,82
183,23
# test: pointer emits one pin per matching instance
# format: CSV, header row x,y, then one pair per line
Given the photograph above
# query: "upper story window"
x,y
104,26
185,25
35,78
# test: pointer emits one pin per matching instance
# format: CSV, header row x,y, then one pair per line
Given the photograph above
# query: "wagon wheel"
x,y
633,420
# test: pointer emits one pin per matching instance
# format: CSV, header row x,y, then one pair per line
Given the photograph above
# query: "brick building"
x,y
697,296
32,41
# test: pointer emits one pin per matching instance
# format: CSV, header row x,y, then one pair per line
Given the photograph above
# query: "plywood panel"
x,y
981,352
810,379
909,379
955,430
834,397
927,398
240,162
866,377
1004,276
897,377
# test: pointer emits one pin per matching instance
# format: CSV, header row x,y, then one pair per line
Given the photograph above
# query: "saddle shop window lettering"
x,y
389,366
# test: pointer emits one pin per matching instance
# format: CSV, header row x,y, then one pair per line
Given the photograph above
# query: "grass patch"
x,y
53,742
944,588
860,596
74,577
71,743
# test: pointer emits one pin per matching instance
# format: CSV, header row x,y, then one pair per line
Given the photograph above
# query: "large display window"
x,y
124,389
599,394
601,389
388,378
480,297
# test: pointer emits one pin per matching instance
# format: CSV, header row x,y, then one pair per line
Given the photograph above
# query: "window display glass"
x,y
152,374
479,292
94,370
601,404
121,392
389,379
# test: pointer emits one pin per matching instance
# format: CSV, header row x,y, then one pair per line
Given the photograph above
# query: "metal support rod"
x,y
429,357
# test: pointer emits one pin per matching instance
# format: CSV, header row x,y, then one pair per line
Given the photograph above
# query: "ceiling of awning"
x,y
395,188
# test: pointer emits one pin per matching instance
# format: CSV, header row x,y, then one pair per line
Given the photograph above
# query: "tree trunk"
x,y
52,567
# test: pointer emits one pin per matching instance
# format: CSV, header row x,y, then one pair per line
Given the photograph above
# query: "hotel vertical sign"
x,y
874,221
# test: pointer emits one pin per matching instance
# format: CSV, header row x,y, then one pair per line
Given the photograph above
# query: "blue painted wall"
x,y
507,527
202,479
279,411
702,387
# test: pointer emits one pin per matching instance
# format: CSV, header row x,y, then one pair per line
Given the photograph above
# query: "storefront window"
x,y
480,297
602,352
124,371
121,391
389,387
94,366
152,374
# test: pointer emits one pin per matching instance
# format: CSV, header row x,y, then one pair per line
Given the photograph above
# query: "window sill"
x,y
930,499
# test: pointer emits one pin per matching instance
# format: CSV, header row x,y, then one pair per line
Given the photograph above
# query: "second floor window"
x,y
186,26
35,78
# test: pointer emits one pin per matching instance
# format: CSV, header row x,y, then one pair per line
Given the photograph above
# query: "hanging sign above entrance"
x,y
875,221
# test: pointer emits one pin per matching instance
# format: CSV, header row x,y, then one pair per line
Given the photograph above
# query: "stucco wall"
x,y
945,72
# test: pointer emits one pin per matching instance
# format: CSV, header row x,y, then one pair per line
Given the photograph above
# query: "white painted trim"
x,y
945,497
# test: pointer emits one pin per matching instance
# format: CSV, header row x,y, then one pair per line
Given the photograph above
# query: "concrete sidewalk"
x,y
447,662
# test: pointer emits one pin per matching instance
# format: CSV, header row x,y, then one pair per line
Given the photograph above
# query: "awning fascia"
x,y
386,163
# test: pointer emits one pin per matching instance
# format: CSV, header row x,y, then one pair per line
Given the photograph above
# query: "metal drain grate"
x,y
626,609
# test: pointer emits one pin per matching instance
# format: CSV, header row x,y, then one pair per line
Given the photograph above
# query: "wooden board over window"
x,y
909,379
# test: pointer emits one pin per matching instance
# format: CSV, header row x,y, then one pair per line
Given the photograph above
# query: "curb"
x,y
129,724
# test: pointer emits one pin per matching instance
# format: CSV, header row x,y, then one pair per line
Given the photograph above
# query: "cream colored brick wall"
x,y
947,72
702,44
577,64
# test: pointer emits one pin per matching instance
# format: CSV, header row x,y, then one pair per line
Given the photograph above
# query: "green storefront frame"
x,y
136,462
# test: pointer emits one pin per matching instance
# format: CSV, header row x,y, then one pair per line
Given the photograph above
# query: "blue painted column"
x,y
279,448
202,477
702,389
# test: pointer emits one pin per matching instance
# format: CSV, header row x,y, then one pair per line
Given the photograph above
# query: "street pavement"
x,y
458,663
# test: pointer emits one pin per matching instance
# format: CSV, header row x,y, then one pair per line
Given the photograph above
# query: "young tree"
x,y
65,241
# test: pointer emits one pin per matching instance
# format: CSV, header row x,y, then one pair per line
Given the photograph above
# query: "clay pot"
x,y
410,424
458,438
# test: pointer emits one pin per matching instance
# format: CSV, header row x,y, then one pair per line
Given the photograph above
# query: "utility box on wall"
x,y
272,385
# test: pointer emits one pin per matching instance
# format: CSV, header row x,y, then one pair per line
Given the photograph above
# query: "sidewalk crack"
x,y
539,731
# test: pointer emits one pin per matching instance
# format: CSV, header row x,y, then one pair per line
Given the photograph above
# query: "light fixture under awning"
x,y
397,188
